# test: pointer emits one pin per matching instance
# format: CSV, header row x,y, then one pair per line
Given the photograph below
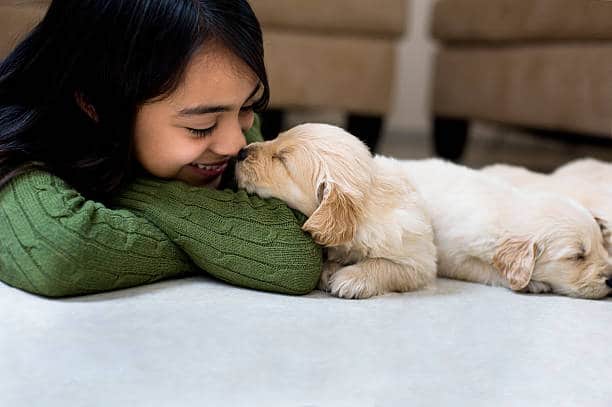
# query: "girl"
x,y
117,123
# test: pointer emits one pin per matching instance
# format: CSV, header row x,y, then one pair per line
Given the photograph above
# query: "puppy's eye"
x,y
279,157
579,257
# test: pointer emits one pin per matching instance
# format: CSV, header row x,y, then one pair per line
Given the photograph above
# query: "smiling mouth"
x,y
211,167
208,172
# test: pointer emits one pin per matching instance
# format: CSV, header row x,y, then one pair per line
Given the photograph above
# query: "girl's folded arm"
x,y
241,239
54,242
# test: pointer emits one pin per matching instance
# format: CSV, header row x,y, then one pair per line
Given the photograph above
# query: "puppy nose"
x,y
242,154
609,282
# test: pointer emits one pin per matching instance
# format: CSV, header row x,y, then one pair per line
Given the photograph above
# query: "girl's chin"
x,y
213,183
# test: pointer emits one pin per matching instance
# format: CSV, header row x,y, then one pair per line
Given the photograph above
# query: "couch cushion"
x,y
557,87
381,17
522,20
353,74
16,21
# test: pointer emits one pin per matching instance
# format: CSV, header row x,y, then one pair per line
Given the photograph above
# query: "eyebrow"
x,y
205,109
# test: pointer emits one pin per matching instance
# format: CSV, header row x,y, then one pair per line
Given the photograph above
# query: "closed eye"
x,y
202,132
279,157
581,256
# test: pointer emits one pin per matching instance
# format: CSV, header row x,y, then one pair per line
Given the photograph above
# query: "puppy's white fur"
x,y
363,209
587,181
374,214
489,231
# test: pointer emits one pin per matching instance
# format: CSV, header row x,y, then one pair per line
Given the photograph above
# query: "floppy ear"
x,y
605,229
334,222
515,259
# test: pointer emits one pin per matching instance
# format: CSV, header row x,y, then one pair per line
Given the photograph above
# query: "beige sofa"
x,y
336,55
320,54
16,18
544,65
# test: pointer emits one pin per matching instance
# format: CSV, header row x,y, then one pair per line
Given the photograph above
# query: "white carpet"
x,y
198,342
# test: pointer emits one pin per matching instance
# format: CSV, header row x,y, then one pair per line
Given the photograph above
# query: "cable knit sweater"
x,y
54,242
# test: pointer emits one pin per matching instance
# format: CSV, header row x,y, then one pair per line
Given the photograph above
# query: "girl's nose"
x,y
230,142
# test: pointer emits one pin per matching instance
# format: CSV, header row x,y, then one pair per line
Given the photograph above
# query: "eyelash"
x,y
201,133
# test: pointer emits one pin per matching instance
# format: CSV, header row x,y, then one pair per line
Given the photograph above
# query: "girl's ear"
x,y
85,106
335,221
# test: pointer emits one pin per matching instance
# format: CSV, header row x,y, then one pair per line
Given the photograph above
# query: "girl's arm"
x,y
238,238
54,242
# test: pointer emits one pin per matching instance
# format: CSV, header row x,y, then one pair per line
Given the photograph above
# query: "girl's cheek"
x,y
246,120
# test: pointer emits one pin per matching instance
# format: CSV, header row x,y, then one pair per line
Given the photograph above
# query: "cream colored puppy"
x,y
590,169
369,214
491,232
363,209
587,181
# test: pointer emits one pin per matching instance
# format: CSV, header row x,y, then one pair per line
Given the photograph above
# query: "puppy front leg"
x,y
378,276
329,269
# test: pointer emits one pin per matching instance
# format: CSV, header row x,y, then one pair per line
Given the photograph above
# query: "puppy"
x,y
491,232
589,169
364,210
587,181
370,213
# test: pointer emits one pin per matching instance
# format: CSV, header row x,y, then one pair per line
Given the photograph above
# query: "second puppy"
x,y
363,209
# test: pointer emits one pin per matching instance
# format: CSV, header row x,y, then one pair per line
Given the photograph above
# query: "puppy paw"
x,y
536,287
352,283
329,269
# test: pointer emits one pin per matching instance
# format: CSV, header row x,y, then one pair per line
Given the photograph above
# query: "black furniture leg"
x,y
367,128
450,136
272,122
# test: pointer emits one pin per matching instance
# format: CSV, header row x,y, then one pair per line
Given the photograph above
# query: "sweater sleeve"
x,y
54,242
238,238
241,239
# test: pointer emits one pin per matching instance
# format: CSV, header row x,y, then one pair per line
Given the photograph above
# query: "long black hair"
x,y
113,55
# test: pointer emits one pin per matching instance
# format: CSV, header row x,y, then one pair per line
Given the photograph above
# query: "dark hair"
x,y
116,55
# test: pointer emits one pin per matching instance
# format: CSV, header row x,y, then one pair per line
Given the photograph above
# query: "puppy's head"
x,y
567,251
318,169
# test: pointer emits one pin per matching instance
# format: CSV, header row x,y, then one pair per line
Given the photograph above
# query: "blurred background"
x,y
526,82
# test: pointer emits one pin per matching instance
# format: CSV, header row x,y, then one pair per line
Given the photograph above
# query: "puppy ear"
x,y
334,222
515,259
604,226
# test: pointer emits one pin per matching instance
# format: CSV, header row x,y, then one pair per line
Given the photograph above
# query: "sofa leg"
x,y
272,123
367,128
450,137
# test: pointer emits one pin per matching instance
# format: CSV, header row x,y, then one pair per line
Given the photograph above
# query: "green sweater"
x,y
54,242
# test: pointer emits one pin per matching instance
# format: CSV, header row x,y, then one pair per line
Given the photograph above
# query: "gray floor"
x,y
489,144
198,342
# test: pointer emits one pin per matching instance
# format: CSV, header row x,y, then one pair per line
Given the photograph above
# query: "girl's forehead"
x,y
215,72
218,60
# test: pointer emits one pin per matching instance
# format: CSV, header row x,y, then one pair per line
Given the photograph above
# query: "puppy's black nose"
x,y
242,154
609,282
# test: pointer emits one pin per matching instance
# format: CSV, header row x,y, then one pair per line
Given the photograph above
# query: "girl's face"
x,y
191,135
